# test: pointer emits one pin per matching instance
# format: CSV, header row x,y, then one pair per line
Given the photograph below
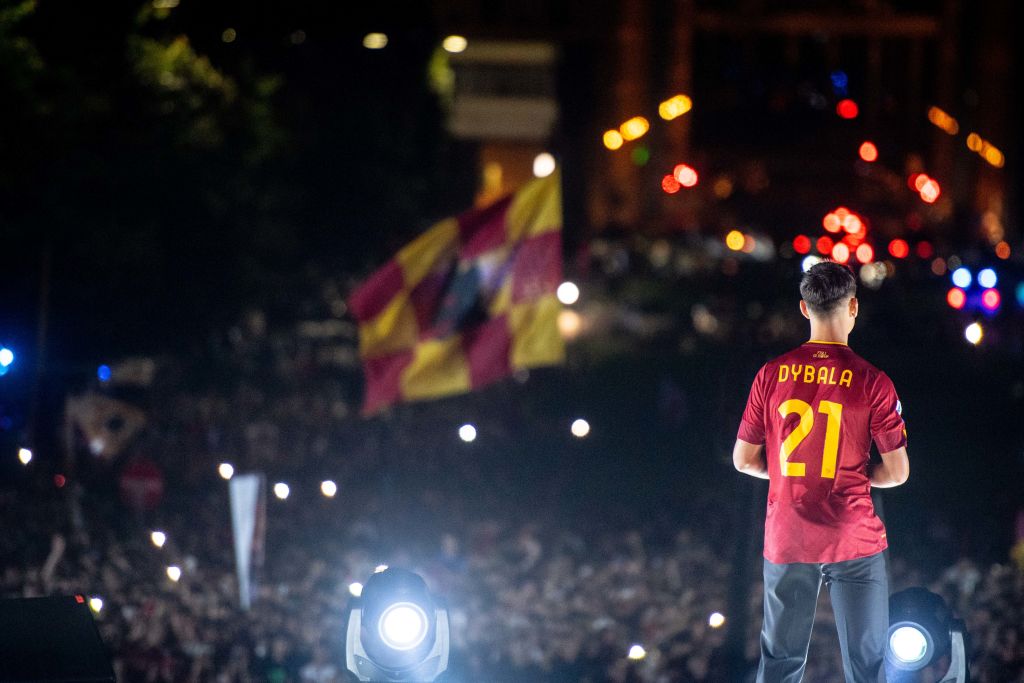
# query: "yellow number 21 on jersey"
x,y
806,424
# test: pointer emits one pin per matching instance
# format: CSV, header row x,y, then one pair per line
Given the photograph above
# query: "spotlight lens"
x,y
403,626
908,644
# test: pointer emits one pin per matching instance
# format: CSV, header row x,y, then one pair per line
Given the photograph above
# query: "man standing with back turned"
x,y
808,426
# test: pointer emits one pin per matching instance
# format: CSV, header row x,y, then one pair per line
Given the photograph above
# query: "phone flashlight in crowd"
x,y
396,630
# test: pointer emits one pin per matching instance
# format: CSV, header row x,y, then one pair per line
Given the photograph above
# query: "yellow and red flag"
x,y
466,303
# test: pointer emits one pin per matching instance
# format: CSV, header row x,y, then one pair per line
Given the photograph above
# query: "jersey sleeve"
x,y
887,427
752,425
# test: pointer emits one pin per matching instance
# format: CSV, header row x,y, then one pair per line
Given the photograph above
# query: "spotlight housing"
x,y
397,631
921,630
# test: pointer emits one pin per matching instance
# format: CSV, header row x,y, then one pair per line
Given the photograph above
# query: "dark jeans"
x,y
859,591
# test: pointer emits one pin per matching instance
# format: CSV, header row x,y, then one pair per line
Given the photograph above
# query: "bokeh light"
x,y
847,109
930,191
809,262
328,488
868,152
841,253
734,240
991,299
987,278
865,253
96,604
825,244
467,433
1020,294
637,652
634,128
543,165
375,41
455,44
899,248
956,298
355,589
580,428
158,538
686,175
924,250
974,333
1003,250
716,620
6,357
103,373
802,244
568,293
282,490
612,139
24,455
675,107
962,277
174,573
225,470
670,185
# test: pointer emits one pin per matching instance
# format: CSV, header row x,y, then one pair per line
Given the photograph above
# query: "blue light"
x,y
987,278
6,357
962,277
103,372
1020,294
840,81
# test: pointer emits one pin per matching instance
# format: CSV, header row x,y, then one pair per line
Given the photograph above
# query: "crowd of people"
x,y
549,573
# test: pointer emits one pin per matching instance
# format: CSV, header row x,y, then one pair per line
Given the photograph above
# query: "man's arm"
x,y
748,458
892,471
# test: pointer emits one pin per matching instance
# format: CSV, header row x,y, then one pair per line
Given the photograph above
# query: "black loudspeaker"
x,y
51,639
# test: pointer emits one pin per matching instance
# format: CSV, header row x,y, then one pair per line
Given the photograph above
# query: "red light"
x,y
925,250
865,253
917,181
868,152
825,245
840,253
930,191
686,176
899,248
990,299
956,298
670,184
80,599
59,480
801,244
847,109
832,222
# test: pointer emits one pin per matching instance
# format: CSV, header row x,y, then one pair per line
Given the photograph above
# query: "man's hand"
x,y
748,458
892,471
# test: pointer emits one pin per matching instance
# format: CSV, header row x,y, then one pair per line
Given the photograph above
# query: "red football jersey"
x,y
816,410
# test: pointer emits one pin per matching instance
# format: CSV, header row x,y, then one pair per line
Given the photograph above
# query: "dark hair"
x,y
825,285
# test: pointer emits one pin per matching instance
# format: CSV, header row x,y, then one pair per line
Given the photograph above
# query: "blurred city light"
x,y
580,428
380,568
103,373
637,652
24,455
865,253
841,253
991,299
868,151
809,262
455,44
930,191
355,589
734,240
686,175
6,357
281,490
1003,250
899,248
956,298
328,488
229,35
974,333
939,266
847,109
974,142
568,293
467,433
640,155
165,4
543,165
670,184
174,573
612,139
962,277
158,538
924,249
375,41
840,81
59,480
825,245
801,244
96,604
873,274
943,120
832,222
674,107
225,470
987,278
570,323
635,128
716,620
1020,294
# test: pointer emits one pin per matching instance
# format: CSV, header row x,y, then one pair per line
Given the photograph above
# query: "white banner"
x,y
248,526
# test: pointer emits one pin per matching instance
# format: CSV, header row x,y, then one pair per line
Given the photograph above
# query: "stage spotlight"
x,y
396,630
921,630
